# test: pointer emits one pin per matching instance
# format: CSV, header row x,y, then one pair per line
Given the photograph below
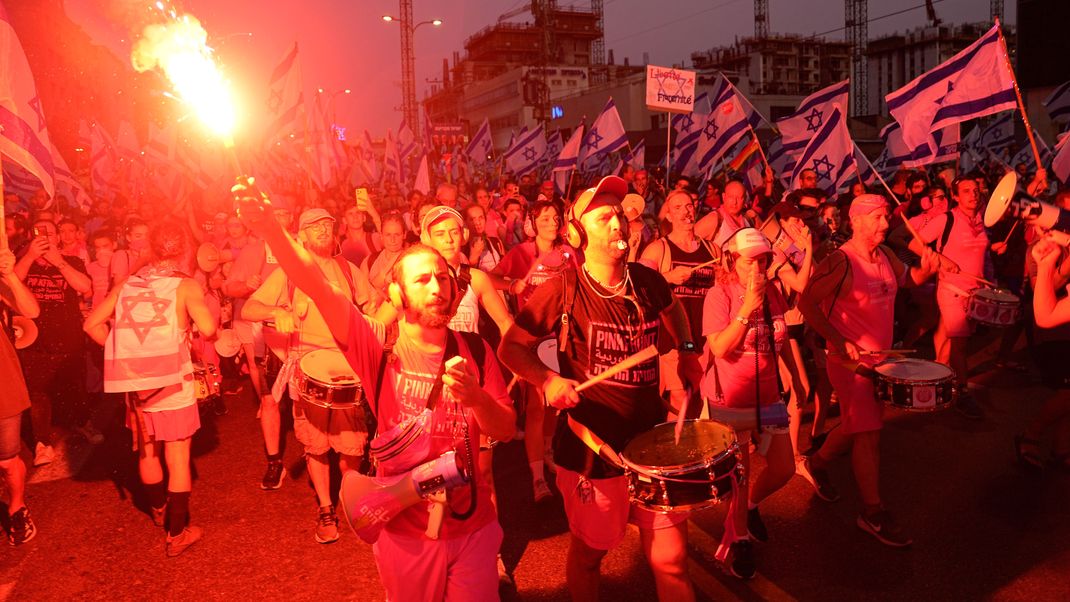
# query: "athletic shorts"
x,y
417,569
953,312
171,425
10,443
250,333
860,411
320,429
601,522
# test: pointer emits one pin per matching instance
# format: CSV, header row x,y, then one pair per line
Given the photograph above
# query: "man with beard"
x,y
319,429
644,187
678,257
608,309
850,301
407,379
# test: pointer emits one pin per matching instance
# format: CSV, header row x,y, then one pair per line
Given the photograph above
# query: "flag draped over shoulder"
x,y
830,154
975,82
24,139
798,128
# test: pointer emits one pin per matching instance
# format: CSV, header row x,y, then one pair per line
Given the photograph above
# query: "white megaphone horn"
x,y
369,503
1007,200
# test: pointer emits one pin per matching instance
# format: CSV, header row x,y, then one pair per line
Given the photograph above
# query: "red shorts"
x,y
859,409
601,522
418,569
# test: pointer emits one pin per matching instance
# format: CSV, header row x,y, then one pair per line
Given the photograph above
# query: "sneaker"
x,y
882,526
542,490
273,476
968,406
43,454
755,526
20,527
504,578
159,515
819,478
741,553
90,432
327,525
178,544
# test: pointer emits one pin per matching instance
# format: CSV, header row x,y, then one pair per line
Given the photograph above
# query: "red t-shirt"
x,y
406,386
736,371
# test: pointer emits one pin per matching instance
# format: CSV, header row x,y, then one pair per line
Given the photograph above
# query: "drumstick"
x,y
1011,231
627,364
889,352
708,263
977,278
679,428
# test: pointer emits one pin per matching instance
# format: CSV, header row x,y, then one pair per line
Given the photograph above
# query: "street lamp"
x,y
330,101
408,77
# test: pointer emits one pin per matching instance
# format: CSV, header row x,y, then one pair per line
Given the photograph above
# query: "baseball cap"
x,y
633,205
864,204
438,213
610,190
311,216
749,242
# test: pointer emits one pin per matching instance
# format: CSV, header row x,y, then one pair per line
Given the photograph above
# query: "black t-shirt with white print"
x,y
603,330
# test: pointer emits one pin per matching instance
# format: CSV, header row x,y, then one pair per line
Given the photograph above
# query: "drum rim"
x,y
673,469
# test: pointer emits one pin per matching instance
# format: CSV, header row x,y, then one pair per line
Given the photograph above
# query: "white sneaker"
x,y
43,454
548,460
542,490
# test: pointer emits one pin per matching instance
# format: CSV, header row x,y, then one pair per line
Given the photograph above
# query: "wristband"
x,y
688,347
744,321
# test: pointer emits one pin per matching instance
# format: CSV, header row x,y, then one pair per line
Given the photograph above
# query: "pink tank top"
x,y
864,314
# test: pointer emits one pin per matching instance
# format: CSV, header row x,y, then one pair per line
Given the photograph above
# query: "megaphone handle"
x,y
437,500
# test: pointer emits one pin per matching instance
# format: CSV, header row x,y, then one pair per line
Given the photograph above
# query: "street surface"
x,y
982,527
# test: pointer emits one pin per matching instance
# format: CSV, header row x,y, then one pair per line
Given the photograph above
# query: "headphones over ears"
x,y
436,214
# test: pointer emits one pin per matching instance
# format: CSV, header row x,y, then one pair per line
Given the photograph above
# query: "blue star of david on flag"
x,y
710,131
529,153
814,120
823,167
594,138
686,122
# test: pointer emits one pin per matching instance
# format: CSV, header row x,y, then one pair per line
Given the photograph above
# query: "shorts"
x,y
250,333
953,312
321,430
416,569
10,443
601,522
860,411
169,425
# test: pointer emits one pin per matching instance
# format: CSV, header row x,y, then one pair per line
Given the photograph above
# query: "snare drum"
x,y
914,385
698,473
993,306
323,378
206,382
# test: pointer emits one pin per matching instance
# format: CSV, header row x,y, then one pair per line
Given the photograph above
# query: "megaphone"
x,y
369,503
1007,200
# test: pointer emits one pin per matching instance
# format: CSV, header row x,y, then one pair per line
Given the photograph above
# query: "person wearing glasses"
x,y
318,429
602,313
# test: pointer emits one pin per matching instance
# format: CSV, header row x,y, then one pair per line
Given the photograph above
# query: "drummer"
x,y
743,321
602,313
959,235
850,301
318,429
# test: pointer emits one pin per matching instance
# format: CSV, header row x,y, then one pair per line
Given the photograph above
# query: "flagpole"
x,y
1018,95
668,147
760,151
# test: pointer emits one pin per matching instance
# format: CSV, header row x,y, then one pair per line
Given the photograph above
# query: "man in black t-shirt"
x,y
614,309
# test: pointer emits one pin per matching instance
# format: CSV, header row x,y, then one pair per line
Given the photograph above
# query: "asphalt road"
x,y
983,528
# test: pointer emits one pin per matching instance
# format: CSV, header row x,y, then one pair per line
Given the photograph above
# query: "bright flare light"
x,y
179,48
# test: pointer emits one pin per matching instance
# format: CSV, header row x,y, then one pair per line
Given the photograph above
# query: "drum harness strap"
x,y
478,352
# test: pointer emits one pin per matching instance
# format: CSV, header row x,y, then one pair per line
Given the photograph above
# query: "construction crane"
x,y
856,22
761,19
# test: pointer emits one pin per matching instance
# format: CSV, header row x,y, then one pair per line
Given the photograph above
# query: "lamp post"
x,y
408,77
330,101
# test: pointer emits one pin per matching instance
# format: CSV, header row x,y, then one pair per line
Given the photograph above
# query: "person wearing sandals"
x,y
743,322
850,301
1049,270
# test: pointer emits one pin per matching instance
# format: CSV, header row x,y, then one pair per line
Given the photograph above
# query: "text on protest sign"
x,y
671,90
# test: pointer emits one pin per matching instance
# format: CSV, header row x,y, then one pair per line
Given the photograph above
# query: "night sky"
x,y
345,43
